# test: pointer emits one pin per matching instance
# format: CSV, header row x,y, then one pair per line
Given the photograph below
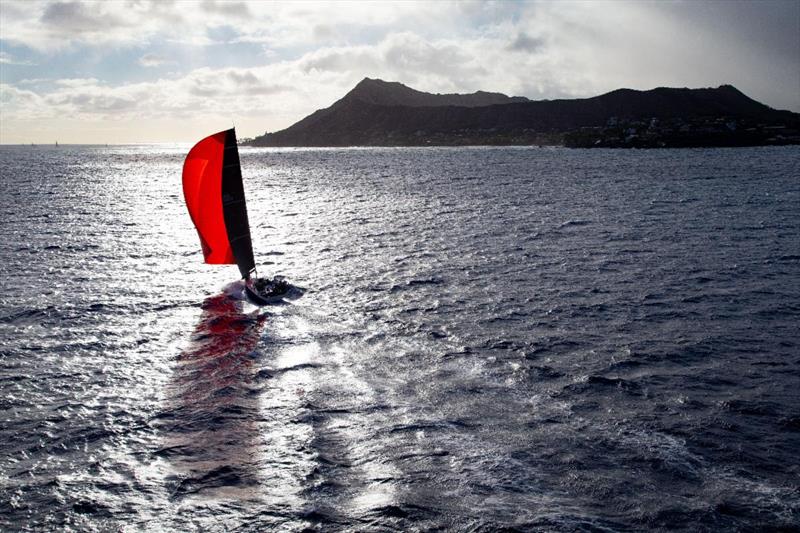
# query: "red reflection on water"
x,y
221,344
210,431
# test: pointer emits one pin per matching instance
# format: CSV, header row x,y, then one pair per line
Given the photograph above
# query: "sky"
x,y
174,71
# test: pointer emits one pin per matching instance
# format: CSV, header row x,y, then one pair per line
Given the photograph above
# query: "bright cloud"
x,y
146,71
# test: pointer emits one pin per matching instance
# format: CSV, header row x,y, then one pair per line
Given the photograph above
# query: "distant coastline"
x,y
380,113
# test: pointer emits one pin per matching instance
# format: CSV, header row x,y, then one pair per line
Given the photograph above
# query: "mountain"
x,y
380,113
392,93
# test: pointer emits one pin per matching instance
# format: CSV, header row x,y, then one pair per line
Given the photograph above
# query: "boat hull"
x,y
278,290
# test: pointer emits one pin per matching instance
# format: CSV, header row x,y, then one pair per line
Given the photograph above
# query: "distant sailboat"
x,y
214,194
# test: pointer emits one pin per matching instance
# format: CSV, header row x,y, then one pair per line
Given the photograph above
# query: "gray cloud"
x,y
407,53
228,8
243,78
248,83
92,103
200,89
78,17
525,43
339,60
256,90
770,25
403,56
323,32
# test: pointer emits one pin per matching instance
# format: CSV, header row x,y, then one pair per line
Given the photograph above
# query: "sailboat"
x,y
214,194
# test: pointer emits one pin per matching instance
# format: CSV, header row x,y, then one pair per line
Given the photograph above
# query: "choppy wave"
x,y
493,339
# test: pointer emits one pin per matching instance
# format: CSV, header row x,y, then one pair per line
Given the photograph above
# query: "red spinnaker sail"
x,y
202,188
214,192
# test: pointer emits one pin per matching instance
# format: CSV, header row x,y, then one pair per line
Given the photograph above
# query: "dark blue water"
x,y
491,339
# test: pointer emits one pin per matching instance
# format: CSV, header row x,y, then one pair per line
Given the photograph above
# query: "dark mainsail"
x,y
214,193
234,207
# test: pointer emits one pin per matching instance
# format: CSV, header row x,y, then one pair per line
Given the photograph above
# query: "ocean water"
x,y
513,339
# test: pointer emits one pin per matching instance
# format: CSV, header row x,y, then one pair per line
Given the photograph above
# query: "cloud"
x,y
8,59
340,59
50,27
152,60
227,8
315,52
525,43
28,102
439,64
408,52
233,92
77,82
76,17
248,83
